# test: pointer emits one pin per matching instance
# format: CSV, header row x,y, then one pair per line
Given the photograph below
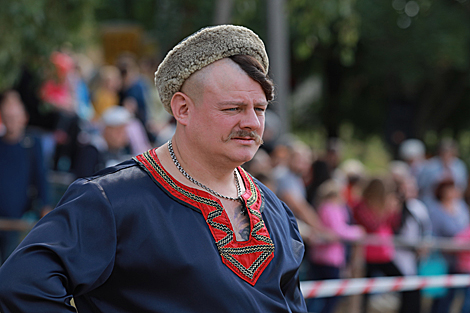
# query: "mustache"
x,y
245,133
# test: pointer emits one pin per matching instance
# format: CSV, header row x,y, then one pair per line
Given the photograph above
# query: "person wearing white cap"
x,y
180,228
110,147
413,152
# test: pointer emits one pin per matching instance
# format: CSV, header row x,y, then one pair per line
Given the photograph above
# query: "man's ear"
x,y
180,107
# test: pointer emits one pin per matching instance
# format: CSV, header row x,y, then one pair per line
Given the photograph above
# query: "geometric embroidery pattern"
x,y
247,259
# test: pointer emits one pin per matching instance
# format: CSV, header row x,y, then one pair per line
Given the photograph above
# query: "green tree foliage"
x,y
378,60
416,54
166,21
324,36
32,29
397,67
326,24
169,21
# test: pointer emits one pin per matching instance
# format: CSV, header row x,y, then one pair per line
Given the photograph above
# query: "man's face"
x,y
116,137
14,117
228,115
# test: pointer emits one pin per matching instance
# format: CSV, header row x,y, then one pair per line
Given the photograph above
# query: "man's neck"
x,y
220,179
12,138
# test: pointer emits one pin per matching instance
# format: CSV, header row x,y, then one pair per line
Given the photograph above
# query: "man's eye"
x,y
231,109
260,109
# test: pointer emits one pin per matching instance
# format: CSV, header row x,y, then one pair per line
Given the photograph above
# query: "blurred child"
x,y
327,260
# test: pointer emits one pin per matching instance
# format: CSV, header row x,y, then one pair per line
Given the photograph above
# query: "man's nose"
x,y
250,120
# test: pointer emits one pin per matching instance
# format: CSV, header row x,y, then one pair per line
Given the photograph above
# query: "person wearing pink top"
x,y
333,213
327,260
463,265
379,213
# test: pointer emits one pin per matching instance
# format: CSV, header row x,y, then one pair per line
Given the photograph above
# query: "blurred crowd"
x,y
339,201
72,121
79,119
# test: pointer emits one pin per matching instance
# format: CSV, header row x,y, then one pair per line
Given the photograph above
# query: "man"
x,y
290,188
133,85
23,182
413,152
180,228
111,146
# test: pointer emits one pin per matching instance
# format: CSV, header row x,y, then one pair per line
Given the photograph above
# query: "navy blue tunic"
x,y
128,241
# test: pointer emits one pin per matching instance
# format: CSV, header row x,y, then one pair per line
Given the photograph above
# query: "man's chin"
x,y
248,155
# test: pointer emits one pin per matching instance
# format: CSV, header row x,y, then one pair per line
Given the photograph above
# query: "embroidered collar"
x,y
247,259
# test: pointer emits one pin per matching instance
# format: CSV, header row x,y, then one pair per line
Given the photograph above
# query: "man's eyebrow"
x,y
240,103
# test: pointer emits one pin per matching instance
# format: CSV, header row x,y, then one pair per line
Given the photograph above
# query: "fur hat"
x,y
201,49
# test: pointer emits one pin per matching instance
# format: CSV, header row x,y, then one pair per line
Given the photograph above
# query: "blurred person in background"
x,y
463,265
138,139
260,164
379,213
107,148
446,165
449,216
260,167
23,179
57,94
415,227
413,152
354,174
290,188
327,260
80,91
106,93
324,167
133,86
272,133
157,115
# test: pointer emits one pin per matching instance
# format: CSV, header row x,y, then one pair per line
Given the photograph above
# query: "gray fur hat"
x,y
201,49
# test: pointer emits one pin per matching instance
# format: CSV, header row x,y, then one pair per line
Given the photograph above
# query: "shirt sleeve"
x,y
69,252
291,287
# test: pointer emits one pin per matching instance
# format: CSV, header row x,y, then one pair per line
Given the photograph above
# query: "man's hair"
x,y
442,186
377,190
254,69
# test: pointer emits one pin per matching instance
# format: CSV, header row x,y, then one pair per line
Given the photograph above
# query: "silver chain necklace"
x,y
180,168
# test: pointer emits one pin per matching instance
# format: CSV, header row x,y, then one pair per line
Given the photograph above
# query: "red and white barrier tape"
x,y
353,286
